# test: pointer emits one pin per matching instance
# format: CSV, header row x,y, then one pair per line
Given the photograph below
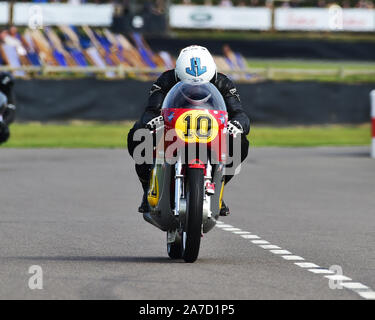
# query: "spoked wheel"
x,y
191,235
175,248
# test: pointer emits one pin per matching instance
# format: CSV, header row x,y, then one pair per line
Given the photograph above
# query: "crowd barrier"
x,y
269,102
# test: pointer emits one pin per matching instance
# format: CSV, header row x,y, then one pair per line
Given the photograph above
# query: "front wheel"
x,y
174,248
191,235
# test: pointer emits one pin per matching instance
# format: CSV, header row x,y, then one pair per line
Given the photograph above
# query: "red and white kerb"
x,y
372,98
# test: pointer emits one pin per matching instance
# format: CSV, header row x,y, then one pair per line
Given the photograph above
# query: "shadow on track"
x,y
345,154
121,259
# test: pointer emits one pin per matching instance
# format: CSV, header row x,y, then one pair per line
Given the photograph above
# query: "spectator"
x,y
365,4
269,4
226,3
322,4
10,38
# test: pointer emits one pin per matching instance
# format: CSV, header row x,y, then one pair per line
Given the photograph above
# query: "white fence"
x,y
44,14
320,19
121,72
211,17
200,17
4,13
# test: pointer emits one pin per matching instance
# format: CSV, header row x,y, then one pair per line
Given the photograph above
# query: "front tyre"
x,y
174,249
191,236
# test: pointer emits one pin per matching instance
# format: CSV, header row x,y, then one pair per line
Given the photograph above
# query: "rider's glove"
x,y
155,123
234,128
9,114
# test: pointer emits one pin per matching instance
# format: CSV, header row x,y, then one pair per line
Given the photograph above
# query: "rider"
x,y
7,105
194,64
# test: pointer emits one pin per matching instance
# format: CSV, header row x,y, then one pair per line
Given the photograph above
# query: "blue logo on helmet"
x,y
195,68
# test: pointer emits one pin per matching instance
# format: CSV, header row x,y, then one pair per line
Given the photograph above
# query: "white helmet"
x,y
195,64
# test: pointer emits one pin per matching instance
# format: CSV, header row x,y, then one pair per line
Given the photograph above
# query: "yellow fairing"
x,y
153,192
196,126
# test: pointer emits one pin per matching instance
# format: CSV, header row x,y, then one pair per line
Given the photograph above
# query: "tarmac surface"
x,y
74,214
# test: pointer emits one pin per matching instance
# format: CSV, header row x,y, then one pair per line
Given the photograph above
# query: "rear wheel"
x,y
191,235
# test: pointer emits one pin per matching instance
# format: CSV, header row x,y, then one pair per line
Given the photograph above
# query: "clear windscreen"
x,y
194,96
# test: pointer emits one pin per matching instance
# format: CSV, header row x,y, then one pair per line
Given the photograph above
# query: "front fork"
x,y
179,182
180,203
180,197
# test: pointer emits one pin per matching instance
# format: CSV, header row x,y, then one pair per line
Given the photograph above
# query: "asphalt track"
x,y
73,213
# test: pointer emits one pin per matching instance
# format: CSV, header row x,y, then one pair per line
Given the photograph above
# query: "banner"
x,y
321,19
4,13
211,17
44,14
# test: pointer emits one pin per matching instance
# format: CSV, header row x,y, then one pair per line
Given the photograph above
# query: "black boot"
x,y
144,205
224,211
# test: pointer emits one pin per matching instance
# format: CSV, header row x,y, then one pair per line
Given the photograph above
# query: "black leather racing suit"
x,y
7,107
156,97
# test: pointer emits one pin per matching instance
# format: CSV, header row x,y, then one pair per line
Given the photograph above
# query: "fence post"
x,y
11,12
372,99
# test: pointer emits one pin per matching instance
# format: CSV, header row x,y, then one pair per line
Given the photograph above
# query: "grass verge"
x,y
96,135
316,70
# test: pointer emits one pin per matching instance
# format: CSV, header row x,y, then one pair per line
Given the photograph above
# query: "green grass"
x,y
75,135
310,64
340,70
96,135
311,136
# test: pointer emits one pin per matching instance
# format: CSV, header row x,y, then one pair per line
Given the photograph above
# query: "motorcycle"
x,y
187,177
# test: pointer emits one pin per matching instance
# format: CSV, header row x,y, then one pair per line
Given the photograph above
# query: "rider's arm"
x,y
9,111
6,88
233,102
157,94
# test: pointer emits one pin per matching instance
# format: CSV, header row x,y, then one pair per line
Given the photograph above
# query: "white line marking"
x,y
321,271
367,294
241,232
306,265
338,277
269,246
280,251
250,236
259,241
359,288
354,285
225,226
291,257
231,229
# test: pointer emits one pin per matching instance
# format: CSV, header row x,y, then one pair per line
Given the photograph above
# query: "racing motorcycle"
x,y
187,178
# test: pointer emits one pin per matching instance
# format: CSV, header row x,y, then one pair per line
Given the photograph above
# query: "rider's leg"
x,y
142,170
4,132
244,152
